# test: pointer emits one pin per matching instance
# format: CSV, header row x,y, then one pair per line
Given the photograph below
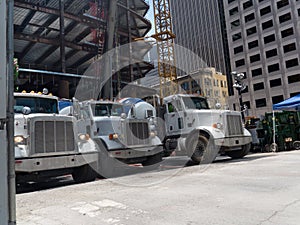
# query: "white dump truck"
x,y
191,127
48,144
125,132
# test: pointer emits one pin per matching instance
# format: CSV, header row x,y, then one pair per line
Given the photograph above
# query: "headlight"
x,y
20,140
84,137
218,125
289,139
152,134
113,136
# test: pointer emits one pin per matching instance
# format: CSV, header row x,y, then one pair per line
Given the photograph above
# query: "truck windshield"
x,y
195,103
37,105
107,110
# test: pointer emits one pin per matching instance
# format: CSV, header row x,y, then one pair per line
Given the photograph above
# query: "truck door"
x,y
174,117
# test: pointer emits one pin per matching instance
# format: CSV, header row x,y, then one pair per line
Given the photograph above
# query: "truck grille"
x,y
53,136
234,125
137,133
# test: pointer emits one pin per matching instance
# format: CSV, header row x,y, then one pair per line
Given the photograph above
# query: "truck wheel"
x,y
204,151
238,154
84,174
296,145
153,160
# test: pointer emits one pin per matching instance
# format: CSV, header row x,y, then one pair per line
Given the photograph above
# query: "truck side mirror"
x,y
26,110
218,106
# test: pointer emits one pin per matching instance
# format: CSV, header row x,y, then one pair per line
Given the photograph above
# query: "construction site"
x,y
56,41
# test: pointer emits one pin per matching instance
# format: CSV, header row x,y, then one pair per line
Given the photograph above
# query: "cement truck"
x,y
124,131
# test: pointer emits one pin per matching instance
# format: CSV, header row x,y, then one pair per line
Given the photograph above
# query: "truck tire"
x,y
296,145
204,151
238,154
84,174
153,160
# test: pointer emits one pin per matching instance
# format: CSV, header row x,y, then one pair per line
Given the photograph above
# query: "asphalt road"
x,y
259,189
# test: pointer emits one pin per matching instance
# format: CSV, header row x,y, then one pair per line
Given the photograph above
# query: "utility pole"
x,y
7,165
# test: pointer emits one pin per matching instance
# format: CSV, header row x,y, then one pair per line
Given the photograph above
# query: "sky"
x,y
150,17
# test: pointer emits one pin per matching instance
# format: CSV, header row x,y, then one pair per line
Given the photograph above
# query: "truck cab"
x,y
48,144
125,137
192,127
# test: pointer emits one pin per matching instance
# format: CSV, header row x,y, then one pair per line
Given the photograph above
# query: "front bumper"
x,y
36,164
135,152
233,142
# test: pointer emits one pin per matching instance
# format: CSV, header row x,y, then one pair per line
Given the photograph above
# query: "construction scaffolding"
x,y
165,47
65,36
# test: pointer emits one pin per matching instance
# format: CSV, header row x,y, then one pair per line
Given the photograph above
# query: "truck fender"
x,y
193,135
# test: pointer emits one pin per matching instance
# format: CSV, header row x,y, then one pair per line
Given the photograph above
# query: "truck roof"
x,y
170,97
35,95
102,102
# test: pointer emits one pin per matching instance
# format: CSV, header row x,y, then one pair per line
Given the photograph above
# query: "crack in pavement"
x,y
279,211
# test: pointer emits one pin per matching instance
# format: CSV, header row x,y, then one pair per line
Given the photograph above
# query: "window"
x,y
229,1
289,47
238,49
255,58
233,11
275,83
185,86
269,38
248,4
256,72
271,53
294,94
277,99
267,24
236,36
235,23
258,86
298,12
251,30
253,44
285,17
273,68
287,32
239,63
294,78
282,3
249,17
291,63
261,103
265,10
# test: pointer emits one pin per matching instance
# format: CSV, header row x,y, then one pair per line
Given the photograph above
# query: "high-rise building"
x,y
198,27
264,44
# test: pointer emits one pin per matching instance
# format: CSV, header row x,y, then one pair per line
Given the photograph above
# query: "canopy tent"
x,y
291,103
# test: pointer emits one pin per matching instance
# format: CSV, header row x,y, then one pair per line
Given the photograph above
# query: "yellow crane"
x,y
165,47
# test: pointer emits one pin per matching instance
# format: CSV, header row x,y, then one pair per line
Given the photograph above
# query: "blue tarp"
x,y
291,103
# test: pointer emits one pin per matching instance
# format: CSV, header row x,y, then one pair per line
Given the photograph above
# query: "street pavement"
x,y
260,189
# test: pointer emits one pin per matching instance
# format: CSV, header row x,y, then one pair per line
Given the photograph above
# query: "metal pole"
x,y
4,198
109,43
62,35
10,116
241,104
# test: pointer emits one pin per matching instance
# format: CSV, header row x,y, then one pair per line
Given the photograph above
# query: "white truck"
x,y
123,138
48,144
201,133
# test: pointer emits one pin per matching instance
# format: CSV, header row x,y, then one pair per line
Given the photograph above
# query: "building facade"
x,y
264,44
208,83
197,26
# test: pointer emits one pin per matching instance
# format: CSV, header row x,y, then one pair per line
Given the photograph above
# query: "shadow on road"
x,y
169,163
